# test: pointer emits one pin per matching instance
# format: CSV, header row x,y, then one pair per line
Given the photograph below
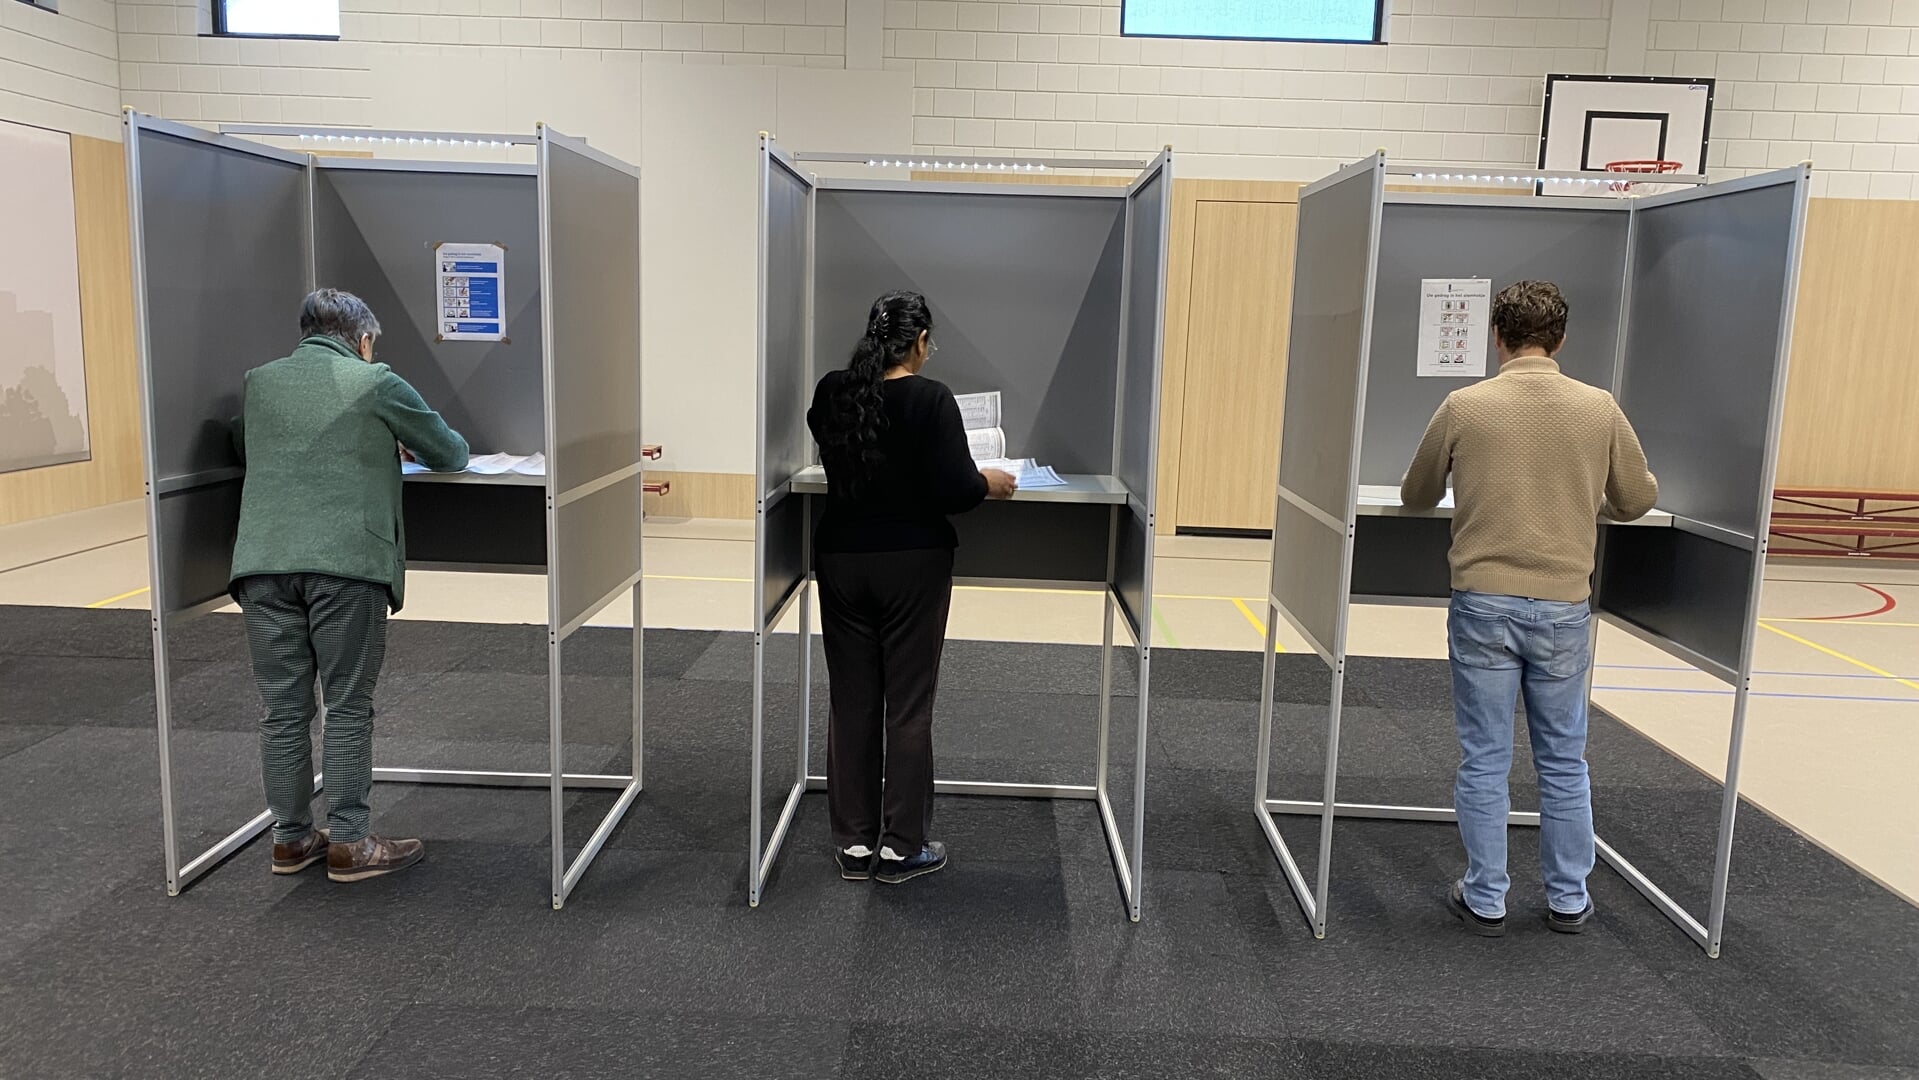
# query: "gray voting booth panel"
x,y
1702,381
1700,369
1136,437
1025,292
222,266
591,207
374,231
785,384
1326,356
1581,247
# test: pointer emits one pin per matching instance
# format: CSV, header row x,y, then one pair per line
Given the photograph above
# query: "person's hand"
x,y
407,455
999,484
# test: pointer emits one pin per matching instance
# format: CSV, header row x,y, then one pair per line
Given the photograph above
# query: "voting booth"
x,y
509,297
1682,308
1051,295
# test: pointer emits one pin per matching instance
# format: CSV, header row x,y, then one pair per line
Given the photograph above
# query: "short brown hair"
x,y
1529,313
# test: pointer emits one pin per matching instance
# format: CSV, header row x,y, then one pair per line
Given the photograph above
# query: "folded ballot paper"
x,y
493,465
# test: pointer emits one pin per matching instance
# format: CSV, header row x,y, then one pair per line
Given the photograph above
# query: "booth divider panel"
x,y
1325,362
782,553
1402,556
1025,292
1680,586
594,240
1711,276
224,253
374,233
1306,565
1139,366
596,548
1581,249
1132,557
489,525
198,528
1029,541
786,444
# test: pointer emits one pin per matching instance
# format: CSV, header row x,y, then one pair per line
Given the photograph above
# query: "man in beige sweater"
x,y
1535,458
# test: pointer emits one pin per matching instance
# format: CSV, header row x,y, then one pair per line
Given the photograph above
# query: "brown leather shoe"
x,y
371,857
297,856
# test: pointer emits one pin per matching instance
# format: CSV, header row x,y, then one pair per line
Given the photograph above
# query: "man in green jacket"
x,y
319,560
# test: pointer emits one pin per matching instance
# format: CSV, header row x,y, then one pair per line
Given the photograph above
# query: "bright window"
x,y
1257,20
277,18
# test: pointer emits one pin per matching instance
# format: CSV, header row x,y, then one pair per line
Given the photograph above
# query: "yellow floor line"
x,y
1837,655
117,599
1258,624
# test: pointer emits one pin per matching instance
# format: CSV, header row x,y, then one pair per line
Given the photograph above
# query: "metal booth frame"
x,y
1313,898
180,873
1129,869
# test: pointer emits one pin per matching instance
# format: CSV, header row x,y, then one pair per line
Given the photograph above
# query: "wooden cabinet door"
x,y
1239,309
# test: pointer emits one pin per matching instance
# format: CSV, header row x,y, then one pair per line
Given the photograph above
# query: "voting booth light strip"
x,y
783,510
1549,179
170,612
1313,899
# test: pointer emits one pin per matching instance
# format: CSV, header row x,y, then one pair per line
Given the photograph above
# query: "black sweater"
x,y
925,473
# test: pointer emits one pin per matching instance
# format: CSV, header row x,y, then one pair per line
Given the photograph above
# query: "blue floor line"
x,y
1755,693
1788,674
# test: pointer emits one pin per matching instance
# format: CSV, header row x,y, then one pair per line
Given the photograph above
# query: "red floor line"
x,y
1887,604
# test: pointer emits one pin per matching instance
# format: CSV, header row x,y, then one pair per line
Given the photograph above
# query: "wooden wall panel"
x,y
701,495
1852,393
1224,290
106,324
1239,314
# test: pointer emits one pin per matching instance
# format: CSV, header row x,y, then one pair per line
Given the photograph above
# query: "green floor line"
x,y
1160,621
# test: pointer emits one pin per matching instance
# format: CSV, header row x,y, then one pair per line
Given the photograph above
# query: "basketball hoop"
x,y
1623,188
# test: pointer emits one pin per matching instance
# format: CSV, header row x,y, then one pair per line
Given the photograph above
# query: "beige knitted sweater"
x,y
1535,457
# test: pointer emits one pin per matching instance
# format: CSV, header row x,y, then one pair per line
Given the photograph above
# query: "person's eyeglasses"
x,y
932,346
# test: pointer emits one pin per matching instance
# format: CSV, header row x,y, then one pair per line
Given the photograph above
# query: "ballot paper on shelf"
x,y
1026,472
492,465
980,415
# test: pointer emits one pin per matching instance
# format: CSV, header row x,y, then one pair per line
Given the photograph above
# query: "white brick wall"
x,y
1460,83
1836,81
61,70
169,68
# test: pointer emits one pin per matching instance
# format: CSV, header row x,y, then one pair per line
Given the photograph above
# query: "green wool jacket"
x,y
322,489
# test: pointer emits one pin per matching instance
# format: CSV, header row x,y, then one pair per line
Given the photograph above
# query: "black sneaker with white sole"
x,y
1477,923
1561,923
929,859
855,867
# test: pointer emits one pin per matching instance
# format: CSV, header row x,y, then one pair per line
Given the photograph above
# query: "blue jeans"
x,y
1502,646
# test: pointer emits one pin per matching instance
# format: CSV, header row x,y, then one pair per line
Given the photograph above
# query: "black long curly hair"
x,y
850,439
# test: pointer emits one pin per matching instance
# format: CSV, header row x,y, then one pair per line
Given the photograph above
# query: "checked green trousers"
x,y
303,628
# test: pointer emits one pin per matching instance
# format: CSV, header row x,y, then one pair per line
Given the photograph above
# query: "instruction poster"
x,y
470,280
1454,314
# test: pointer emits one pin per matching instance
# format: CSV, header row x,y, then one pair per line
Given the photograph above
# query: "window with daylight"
x,y
277,18
1352,21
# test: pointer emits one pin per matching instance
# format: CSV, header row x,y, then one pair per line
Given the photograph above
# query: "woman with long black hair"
x,y
897,465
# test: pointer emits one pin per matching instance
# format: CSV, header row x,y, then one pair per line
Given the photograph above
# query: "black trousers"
x,y
883,617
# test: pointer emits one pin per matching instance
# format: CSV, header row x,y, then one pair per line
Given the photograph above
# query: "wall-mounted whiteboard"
x,y
43,372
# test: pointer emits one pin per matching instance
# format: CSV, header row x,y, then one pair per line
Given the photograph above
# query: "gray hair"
x,y
337,314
